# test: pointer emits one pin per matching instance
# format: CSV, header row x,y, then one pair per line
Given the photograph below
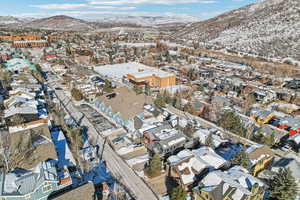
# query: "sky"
x,y
93,9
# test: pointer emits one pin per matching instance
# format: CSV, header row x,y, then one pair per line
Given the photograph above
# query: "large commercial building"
x,y
155,78
30,44
138,74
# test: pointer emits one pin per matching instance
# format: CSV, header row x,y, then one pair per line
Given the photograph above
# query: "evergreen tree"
x,y
231,122
154,166
189,108
138,90
167,97
209,141
76,94
159,101
178,194
107,86
177,103
242,159
283,185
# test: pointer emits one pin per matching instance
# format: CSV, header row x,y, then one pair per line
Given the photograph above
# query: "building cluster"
x,y
37,161
149,98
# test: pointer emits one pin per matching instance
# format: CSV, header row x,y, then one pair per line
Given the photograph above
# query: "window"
x,y
47,188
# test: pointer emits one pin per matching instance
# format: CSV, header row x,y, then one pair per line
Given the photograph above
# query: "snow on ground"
x,y
65,157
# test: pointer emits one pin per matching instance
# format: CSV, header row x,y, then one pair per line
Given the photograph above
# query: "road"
x,y
115,164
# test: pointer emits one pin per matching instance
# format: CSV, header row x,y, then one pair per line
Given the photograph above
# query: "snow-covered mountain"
x,y
63,22
149,20
60,22
270,28
9,20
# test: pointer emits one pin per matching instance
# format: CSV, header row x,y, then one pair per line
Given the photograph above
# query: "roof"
x,y
126,102
262,113
209,156
17,64
203,134
191,163
118,71
291,161
233,178
258,152
20,110
24,182
85,192
290,121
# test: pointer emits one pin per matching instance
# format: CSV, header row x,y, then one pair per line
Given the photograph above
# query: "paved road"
x,y
115,164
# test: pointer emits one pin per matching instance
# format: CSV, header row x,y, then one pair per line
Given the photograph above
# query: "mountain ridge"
x,y
269,28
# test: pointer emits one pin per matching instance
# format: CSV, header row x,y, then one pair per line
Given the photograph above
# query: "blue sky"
x,y
89,9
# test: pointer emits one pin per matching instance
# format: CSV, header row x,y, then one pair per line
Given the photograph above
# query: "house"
x,y
219,102
289,123
30,43
261,157
19,115
117,107
163,139
203,134
133,153
235,183
17,64
262,116
50,57
38,183
187,166
267,130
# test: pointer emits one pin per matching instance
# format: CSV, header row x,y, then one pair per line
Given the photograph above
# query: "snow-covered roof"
x,y
207,155
234,177
118,71
203,134
192,161
22,183
19,110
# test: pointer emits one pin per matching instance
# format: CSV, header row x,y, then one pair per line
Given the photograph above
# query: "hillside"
x,y
155,21
9,20
269,28
60,22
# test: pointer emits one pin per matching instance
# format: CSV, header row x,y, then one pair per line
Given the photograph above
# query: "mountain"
x,y
9,20
155,21
269,28
60,22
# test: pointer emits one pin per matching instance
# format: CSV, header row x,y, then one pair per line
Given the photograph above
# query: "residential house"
x,y
262,116
203,134
187,166
38,183
235,183
261,157
163,139
116,106
289,123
